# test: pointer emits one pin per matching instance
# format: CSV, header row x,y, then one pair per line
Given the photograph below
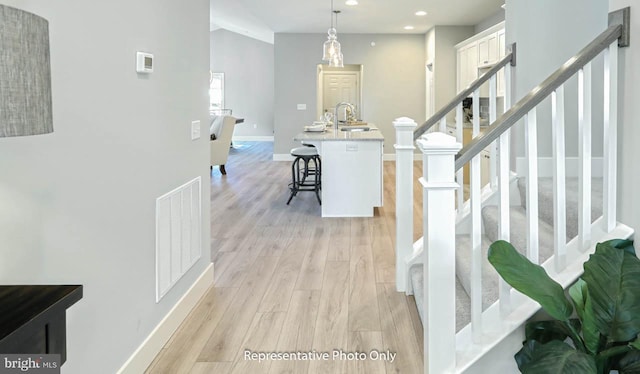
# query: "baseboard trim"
x,y
250,138
572,166
149,349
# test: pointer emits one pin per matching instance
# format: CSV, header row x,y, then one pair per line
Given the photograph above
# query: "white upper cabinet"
x,y
488,50
479,53
467,65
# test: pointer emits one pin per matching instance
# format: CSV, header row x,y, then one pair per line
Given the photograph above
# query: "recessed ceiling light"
x,y
421,13
503,6
352,2
408,27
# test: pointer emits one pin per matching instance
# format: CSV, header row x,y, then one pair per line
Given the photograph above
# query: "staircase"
x,y
555,215
518,224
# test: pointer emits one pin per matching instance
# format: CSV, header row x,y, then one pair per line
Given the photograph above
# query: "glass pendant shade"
x,y
331,46
337,61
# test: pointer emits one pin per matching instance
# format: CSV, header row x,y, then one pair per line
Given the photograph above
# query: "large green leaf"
x,y
613,278
630,363
525,354
624,244
580,295
530,279
558,357
546,331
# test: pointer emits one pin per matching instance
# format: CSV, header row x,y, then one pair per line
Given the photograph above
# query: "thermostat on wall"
x,y
144,62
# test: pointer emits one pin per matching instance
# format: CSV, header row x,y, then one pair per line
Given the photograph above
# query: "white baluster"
x,y
504,175
476,113
531,151
507,87
443,124
584,156
559,181
476,249
610,136
404,198
505,154
439,151
493,115
460,173
476,228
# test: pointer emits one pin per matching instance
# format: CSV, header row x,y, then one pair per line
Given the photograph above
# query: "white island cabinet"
x,y
352,182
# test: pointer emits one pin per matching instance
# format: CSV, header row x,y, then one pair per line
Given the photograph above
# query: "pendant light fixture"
x,y
337,60
332,45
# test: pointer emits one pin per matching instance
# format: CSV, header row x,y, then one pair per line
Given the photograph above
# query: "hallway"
x,y
287,280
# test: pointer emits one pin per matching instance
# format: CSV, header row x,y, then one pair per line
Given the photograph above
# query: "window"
x,y
216,92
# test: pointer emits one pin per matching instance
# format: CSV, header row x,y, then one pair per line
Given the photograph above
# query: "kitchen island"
x,y
352,184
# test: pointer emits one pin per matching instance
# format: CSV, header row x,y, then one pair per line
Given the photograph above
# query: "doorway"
x,y
337,85
430,94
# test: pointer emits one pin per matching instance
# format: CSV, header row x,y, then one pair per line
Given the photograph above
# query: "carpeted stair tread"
x,y
463,304
463,269
545,201
518,230
518,237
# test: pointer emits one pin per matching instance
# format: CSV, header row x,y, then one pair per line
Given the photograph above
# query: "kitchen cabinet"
x,y
488,50
478,54
467,65
352,175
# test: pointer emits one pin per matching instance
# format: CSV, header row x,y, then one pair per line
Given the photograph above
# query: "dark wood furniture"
x,y
33,318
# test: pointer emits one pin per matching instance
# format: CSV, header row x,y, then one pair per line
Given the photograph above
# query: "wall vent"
x,y
178,239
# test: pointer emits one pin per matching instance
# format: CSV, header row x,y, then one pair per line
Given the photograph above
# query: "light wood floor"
x,y
287,280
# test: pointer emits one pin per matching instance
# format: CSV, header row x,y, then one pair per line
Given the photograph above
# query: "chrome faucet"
x,y
344,103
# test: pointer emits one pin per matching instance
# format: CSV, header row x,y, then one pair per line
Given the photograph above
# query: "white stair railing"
x,y
407,131
404,199
446,351
439,230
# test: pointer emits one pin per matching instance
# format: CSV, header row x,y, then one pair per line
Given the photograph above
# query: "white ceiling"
x,y
261,18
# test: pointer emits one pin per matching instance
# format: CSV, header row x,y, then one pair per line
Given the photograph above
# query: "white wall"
x,y
248,67
629,133
393,83
78,205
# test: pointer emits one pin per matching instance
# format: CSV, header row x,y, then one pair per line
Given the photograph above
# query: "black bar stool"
x,y
300,174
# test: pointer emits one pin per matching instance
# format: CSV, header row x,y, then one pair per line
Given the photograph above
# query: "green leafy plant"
x,y
602,335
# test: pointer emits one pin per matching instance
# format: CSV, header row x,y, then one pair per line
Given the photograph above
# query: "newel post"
x,y
404,198
439,188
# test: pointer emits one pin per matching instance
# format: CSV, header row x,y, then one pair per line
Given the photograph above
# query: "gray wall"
x,y
629,132
393,82
490,21
445,63
569,25
248,67
78,205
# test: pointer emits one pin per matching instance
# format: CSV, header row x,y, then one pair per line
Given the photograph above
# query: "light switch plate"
x,y
195,130
302,106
